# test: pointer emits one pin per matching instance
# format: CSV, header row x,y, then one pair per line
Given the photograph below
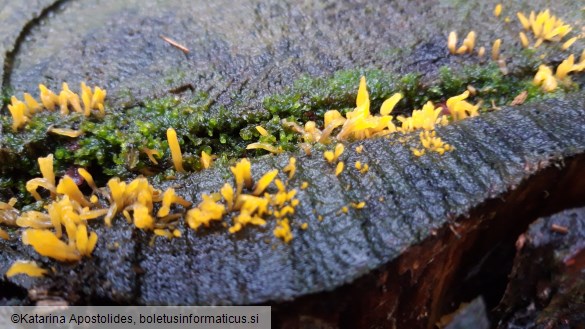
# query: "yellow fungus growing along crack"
x,y
466,47
22,111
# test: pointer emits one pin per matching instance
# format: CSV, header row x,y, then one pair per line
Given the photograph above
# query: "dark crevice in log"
x,y
11,293
433,278
11,55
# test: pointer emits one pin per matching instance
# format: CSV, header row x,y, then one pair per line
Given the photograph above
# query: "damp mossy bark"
x,y
114,145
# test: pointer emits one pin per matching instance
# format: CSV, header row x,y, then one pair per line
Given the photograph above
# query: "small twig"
x,y
175,44
559,229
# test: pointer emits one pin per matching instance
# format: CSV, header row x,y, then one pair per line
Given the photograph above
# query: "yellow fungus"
x,y
262,131
81,240
264,181
461,109
165,233
242,175
206,160
426,118
264,146
283,231
92,214
431,142
170,197
339,148
227,192
304,185
523,20
142,217
34,219
127,216
46,167
246,217
48,98
88,178
339,168
31,103
452,42
390,103
359,149
462,50
18,112
68,187
66,132
363,96
29,268
365,168
565,67
498,10
86,96
496,49
544,26
344,209
48,180
329,156
320,218
93,199
304,226
291,168
418,152
205,212
175,149
4,235
97,101
279,185
481,51
524,40
47,244
177,233
568,43
469,41
545,79
358,205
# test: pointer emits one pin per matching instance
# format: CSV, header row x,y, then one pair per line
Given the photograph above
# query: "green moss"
x,y
113,145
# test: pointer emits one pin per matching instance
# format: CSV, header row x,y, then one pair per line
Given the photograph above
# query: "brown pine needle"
x,y
559,229
175,44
